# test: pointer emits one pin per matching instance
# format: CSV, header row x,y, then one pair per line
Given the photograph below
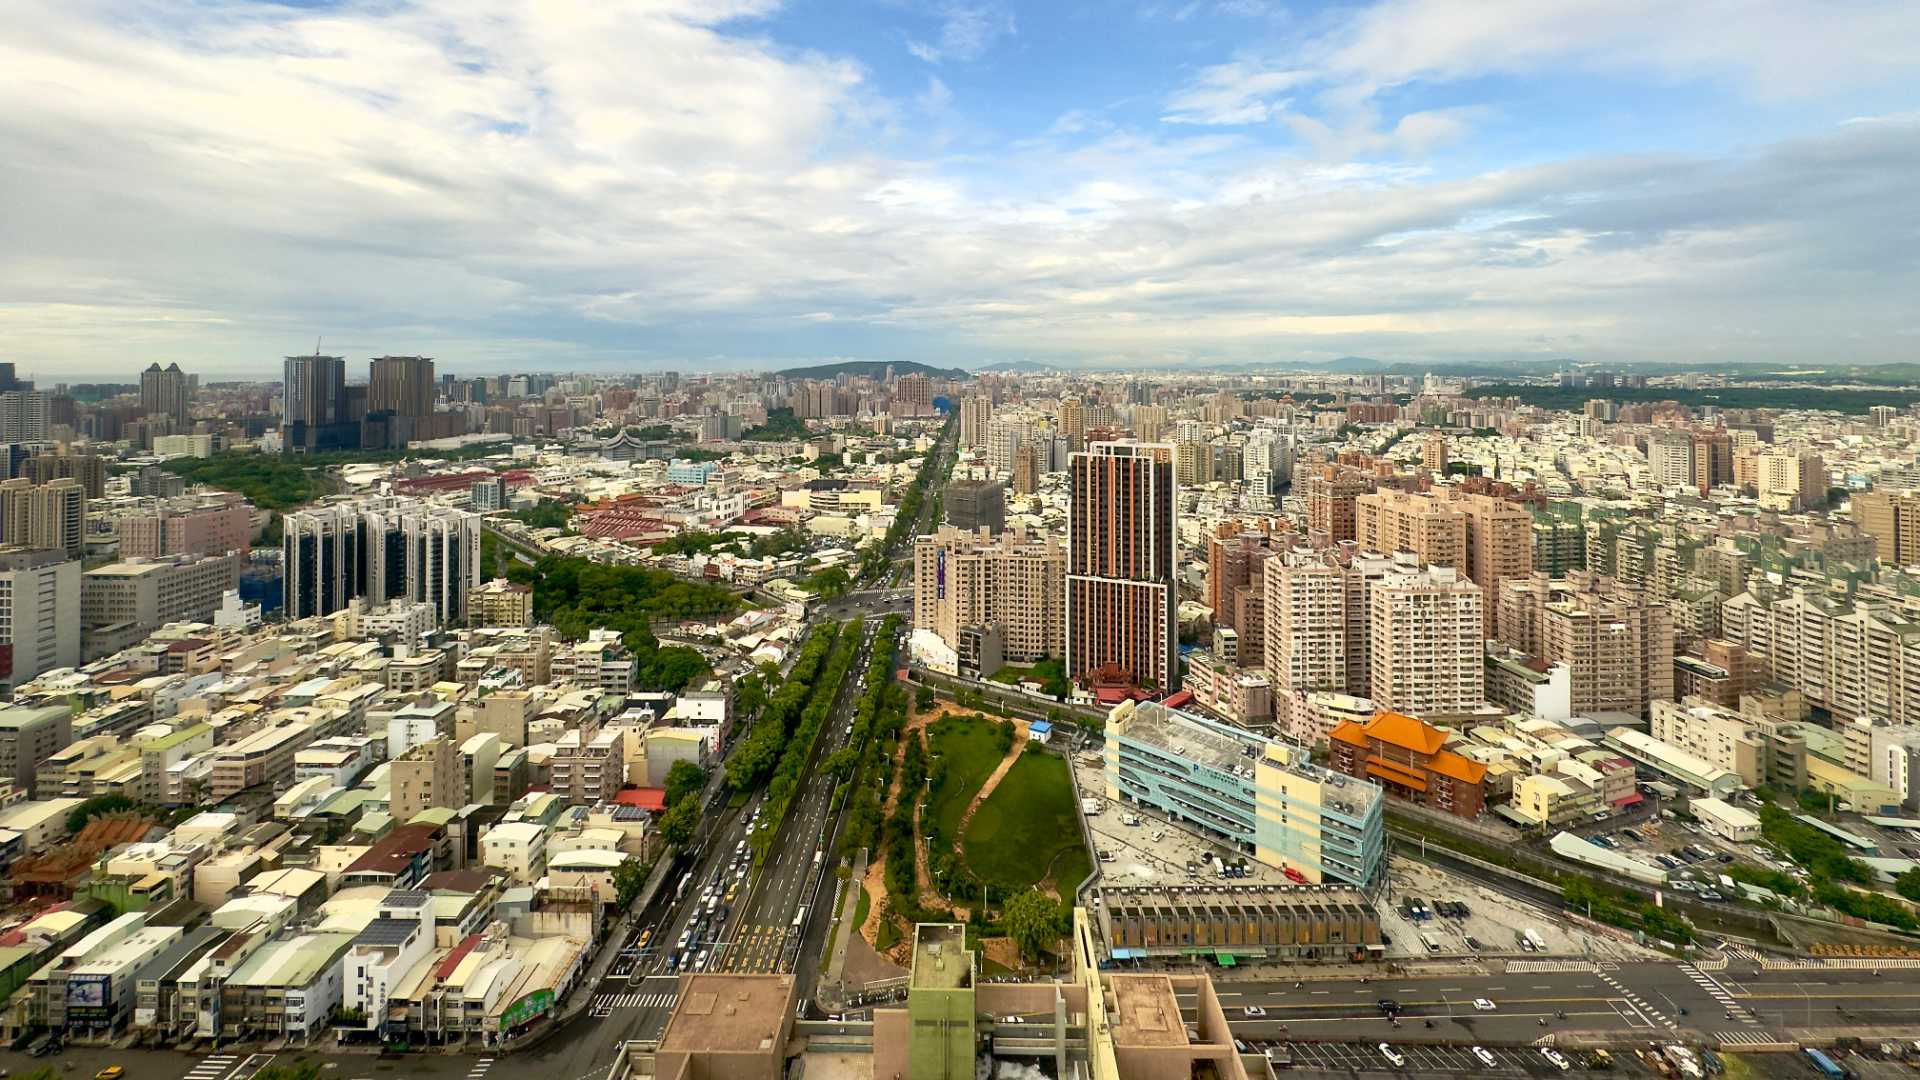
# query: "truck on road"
x,y
1538,941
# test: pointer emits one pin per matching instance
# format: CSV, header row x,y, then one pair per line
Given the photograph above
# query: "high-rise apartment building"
x,y
51,516
1788,479
976,504
1616,640
24,416
913,395
382,548
1121,566
317,410
1486,537
1857,660
1026,469
1149,422
1712,460
1426,644
1393,521
89,469
1892,518
1332,493
39,594
976,417
1236,586
1433,452
402,385
1306,639
1670,459
1011,584
1073,424
206,525
164,392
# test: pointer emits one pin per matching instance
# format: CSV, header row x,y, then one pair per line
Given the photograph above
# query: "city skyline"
x,y
966,184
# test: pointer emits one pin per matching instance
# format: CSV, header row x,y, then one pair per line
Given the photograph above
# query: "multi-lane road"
x,y
1621,1002
775,911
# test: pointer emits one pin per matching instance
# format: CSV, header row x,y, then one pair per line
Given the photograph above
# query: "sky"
x,y
736,184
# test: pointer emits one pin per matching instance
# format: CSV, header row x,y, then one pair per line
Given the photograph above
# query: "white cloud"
x,y
1771,48
1237,92
1782,50
503,184
967,31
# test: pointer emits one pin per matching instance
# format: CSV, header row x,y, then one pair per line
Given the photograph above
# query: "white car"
x,y
1559,1059
1486,1056
1394,1057
1483,1004
1254,1012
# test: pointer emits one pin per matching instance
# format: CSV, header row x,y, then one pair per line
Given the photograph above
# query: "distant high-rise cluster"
x,y
381,549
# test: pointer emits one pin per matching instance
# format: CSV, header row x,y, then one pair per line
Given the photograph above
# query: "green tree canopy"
x,y
684,779
1034,922
677,825
98,806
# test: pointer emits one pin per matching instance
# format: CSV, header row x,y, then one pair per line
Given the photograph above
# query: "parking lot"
x,y
1690,853
1156,852
1494,921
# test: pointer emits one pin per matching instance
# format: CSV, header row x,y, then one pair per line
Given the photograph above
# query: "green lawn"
x,y
1010,674
860,907
966,745
1026,823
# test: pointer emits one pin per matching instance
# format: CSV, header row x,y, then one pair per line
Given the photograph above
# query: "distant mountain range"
x,y
871,368
1025,367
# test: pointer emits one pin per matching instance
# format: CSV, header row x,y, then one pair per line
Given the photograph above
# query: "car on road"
x,y
1483,1005
111,1072
1486,1056
1388,1006
1559,1059
1254,1012
1473,943
1394,1057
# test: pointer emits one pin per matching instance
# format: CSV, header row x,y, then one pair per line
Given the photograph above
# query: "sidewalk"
x,y
844,928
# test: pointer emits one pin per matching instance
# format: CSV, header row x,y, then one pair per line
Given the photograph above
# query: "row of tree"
x,y
752,762
790,774
932,474
865,763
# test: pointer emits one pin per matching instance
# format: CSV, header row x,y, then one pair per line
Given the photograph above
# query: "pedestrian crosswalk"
x,y
1640,1004
480,1067
213,1067
1748,1037
1719,993
603,1004
1542,966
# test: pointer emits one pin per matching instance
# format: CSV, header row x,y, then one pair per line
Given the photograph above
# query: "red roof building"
x,y
1405,756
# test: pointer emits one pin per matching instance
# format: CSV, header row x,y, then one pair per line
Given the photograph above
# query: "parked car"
x,y
1394,1057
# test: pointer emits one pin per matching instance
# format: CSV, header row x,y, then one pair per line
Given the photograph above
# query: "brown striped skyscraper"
x,y
1121,598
